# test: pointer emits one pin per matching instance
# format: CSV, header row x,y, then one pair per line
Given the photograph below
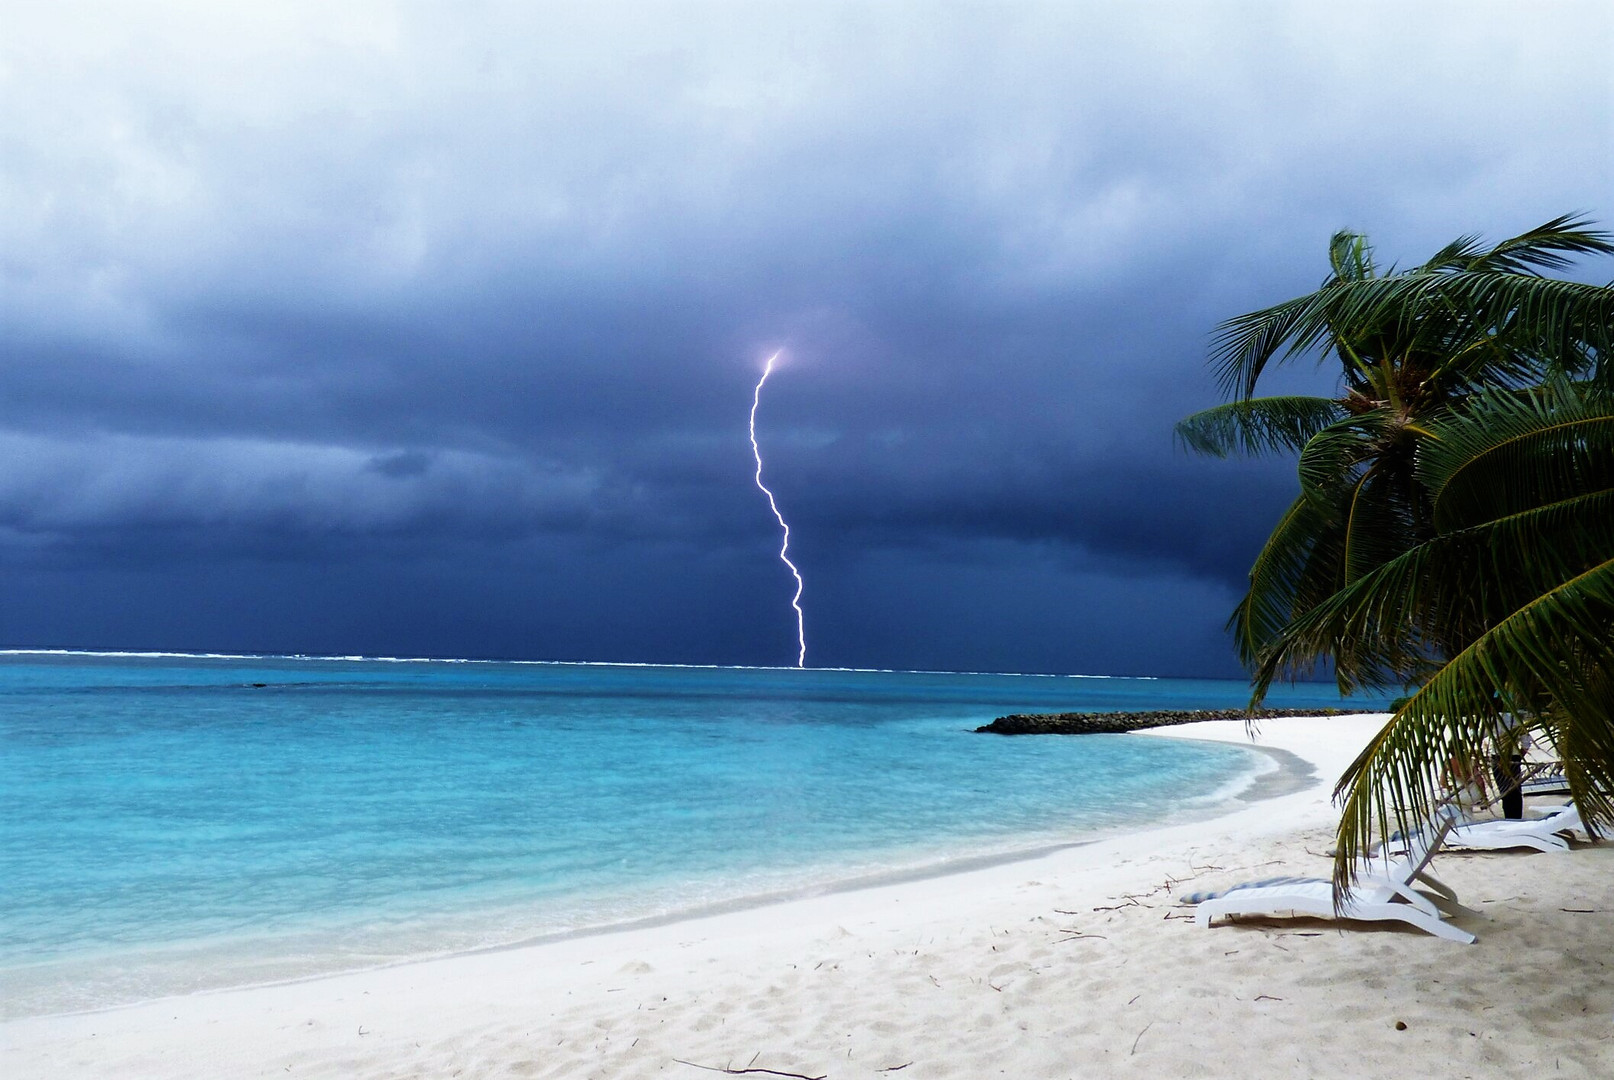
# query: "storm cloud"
x,y
432,329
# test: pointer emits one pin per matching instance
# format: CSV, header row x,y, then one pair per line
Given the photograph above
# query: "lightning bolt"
x,y
784,548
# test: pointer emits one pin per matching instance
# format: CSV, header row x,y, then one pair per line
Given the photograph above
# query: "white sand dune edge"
x,y
1076,964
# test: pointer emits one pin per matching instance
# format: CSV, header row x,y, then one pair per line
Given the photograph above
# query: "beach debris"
x,y
895,1068
749,1070
1401,1025
1131,901
1134,1049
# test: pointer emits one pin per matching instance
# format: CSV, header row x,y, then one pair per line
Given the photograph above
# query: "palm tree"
x,y
1521,488
1410,344
1455,525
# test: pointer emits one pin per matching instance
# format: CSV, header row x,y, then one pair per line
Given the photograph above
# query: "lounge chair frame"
x,y
1383,892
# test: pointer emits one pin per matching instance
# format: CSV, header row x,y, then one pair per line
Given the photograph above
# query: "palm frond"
x,y
1386,624
1257,425
1295,568
1556,649
1243,346
1547,247
1505,452
1533,323
1380,526
1459,254
1331,458
1350,256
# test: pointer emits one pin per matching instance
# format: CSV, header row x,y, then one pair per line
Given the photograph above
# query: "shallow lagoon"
x,y
167,825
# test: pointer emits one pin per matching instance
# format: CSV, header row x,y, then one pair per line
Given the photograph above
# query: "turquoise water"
x,y
167,826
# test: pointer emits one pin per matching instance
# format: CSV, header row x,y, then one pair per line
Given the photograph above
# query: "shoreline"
x,y
1077,962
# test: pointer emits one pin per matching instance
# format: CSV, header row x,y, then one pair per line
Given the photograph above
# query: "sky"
x,y
432,329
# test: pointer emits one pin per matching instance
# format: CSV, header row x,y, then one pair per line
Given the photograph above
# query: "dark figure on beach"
x,y
1508,768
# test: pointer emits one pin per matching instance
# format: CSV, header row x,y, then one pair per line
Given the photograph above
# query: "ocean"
x,y
173,823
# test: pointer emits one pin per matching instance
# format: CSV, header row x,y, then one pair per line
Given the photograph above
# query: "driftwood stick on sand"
x,y
742,1072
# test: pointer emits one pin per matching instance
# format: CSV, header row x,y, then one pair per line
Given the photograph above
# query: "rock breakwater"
x,y
1072,723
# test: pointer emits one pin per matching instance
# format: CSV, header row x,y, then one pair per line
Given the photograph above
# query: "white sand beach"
x,y
1076,964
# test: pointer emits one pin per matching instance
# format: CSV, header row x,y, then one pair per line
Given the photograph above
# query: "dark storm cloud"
x,y
417,295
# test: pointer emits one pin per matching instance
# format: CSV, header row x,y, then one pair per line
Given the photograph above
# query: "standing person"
x,y
1508,767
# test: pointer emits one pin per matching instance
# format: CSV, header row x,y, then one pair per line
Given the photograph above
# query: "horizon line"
x,y
154,654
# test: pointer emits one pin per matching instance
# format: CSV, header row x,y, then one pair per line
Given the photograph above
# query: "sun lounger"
x,y
1546,831
1383,891
1540,833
